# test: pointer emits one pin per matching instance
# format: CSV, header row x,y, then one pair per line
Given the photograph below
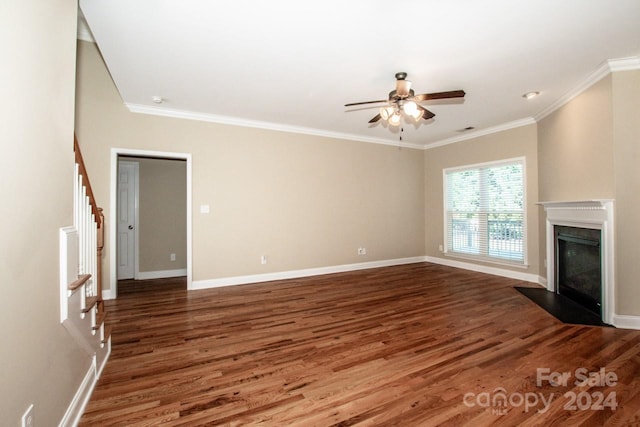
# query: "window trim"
x,y
525,235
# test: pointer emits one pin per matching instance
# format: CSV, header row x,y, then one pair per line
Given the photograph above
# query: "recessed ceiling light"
x,y
530,95
157,99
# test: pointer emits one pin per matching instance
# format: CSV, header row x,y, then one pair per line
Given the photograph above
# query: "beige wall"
x,y
40,363
162,227
304,201
518,142
588,149
575,150
626,143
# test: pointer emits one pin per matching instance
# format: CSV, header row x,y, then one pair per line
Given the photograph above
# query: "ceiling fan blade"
x,y
365,102
439,95
375,118
426,114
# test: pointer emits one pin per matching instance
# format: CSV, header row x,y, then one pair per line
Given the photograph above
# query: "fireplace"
x,y
578,265
580,253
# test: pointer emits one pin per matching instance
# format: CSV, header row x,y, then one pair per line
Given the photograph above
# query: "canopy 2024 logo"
x,y
500,401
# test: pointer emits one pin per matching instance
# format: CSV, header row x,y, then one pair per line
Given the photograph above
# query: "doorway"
x,y
128,258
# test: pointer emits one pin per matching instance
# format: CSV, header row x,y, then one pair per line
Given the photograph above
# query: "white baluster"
x,y
87,244
75,193
87,227
93,250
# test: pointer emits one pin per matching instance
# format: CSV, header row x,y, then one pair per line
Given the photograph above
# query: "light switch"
x,y
204,209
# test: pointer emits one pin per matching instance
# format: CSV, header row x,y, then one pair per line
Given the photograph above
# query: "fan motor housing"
x,y
393,95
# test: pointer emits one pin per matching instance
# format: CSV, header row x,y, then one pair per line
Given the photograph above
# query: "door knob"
x,y
131,227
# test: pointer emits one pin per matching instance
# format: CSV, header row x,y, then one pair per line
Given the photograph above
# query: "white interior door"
x,y
126,223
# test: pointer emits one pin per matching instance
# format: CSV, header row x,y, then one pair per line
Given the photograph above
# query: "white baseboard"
x,y
161,274
108,294
293,274
626,321
105,358
527,277
81,398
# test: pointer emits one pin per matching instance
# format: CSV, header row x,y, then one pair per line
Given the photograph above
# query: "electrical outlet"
x,y
441,248
27,418
172,257
362,251
263,259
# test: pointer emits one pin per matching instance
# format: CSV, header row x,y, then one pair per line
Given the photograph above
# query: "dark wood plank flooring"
x,y
413,345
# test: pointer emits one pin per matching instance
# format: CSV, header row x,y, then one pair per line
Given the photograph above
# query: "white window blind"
x,y
485,211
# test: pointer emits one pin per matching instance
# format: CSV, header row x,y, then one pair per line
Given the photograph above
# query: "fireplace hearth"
x,y
562,308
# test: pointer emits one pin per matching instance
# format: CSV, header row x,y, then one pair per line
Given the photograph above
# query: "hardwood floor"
x,y
413,345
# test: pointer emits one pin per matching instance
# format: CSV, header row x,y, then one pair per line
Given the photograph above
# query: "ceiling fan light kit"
x,y
393,114
410,108
395,119
404,102
387,112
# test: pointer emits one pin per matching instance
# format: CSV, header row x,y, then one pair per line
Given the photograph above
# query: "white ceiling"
x,y
292,65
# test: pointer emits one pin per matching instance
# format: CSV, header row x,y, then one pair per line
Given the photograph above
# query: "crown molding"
x,y
607,67
83,31
235,121
624,64
481,132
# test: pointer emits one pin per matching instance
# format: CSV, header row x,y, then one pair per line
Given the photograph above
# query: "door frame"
x,y
113,187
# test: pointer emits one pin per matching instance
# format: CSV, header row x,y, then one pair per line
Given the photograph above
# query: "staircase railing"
x,y
89,221
82,311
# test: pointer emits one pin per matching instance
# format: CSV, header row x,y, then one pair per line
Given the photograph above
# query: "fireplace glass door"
x,y
579,266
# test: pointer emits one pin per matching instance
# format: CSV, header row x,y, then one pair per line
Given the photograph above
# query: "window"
x,y
484,211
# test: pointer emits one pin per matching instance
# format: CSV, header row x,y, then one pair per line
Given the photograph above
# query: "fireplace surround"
x,y
595,217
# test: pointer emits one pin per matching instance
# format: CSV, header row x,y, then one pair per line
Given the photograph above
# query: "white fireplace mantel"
x,y
594,214
597,204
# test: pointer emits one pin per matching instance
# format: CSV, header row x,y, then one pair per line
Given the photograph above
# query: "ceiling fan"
x,y
404,100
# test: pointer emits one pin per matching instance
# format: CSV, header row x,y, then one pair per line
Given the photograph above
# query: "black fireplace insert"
x,y
578,263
